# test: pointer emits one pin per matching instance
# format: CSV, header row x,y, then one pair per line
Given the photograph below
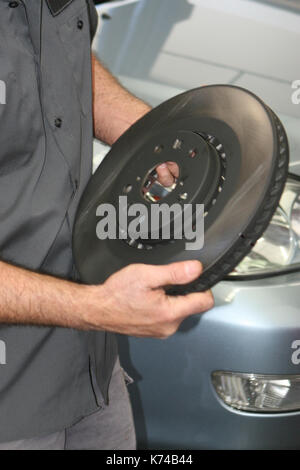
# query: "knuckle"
x,y
129,269
135,267
174,277
136,271
167,317
162,308
160,316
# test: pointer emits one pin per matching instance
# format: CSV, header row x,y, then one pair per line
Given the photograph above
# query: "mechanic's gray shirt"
x,y
45,163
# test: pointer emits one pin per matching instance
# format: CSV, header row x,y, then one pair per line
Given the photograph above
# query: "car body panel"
x,y
159,48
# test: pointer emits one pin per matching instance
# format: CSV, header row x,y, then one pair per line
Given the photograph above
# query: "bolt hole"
x,y
127,189
192,153
158,148
177,144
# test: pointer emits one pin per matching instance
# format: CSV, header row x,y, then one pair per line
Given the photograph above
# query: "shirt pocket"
x,y
20,114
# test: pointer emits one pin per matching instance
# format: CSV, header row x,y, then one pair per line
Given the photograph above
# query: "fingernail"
x,y
163,165
193,267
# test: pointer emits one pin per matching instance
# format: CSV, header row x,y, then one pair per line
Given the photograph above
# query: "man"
x,y
61,385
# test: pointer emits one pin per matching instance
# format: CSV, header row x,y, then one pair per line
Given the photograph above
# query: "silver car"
x,y
229,379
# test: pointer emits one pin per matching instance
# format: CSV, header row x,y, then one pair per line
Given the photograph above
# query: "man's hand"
x,y
133,302
167,173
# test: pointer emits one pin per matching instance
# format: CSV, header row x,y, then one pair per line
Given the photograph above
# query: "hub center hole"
x,y
160,181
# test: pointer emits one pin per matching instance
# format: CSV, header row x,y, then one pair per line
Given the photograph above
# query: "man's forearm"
x,y
115,109
30,298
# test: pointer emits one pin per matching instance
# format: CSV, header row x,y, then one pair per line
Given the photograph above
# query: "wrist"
x,y
91,307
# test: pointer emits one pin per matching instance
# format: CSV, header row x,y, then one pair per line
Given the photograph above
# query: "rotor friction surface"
x,y
238,173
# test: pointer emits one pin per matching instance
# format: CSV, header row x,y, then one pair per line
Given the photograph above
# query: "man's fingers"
x,y
165,177
174,168
184,306
172,274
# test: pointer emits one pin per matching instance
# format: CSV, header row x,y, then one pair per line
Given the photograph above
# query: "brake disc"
x,y
232,154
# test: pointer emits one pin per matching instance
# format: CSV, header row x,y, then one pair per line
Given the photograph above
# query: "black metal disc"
x,y
238,171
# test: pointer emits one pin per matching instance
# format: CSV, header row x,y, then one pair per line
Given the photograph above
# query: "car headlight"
x,y
258,393
278,250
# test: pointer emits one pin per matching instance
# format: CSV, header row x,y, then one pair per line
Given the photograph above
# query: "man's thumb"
x,y
175,273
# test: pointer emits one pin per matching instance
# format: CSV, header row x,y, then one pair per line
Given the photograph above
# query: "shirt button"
x,y
79,24
58,122
13,4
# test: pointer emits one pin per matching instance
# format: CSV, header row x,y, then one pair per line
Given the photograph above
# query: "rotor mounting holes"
x,y
192,153
148,247
177,144
217,145
158,148
127,189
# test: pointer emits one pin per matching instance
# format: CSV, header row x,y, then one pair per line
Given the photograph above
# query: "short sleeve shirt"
x,y
45,163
